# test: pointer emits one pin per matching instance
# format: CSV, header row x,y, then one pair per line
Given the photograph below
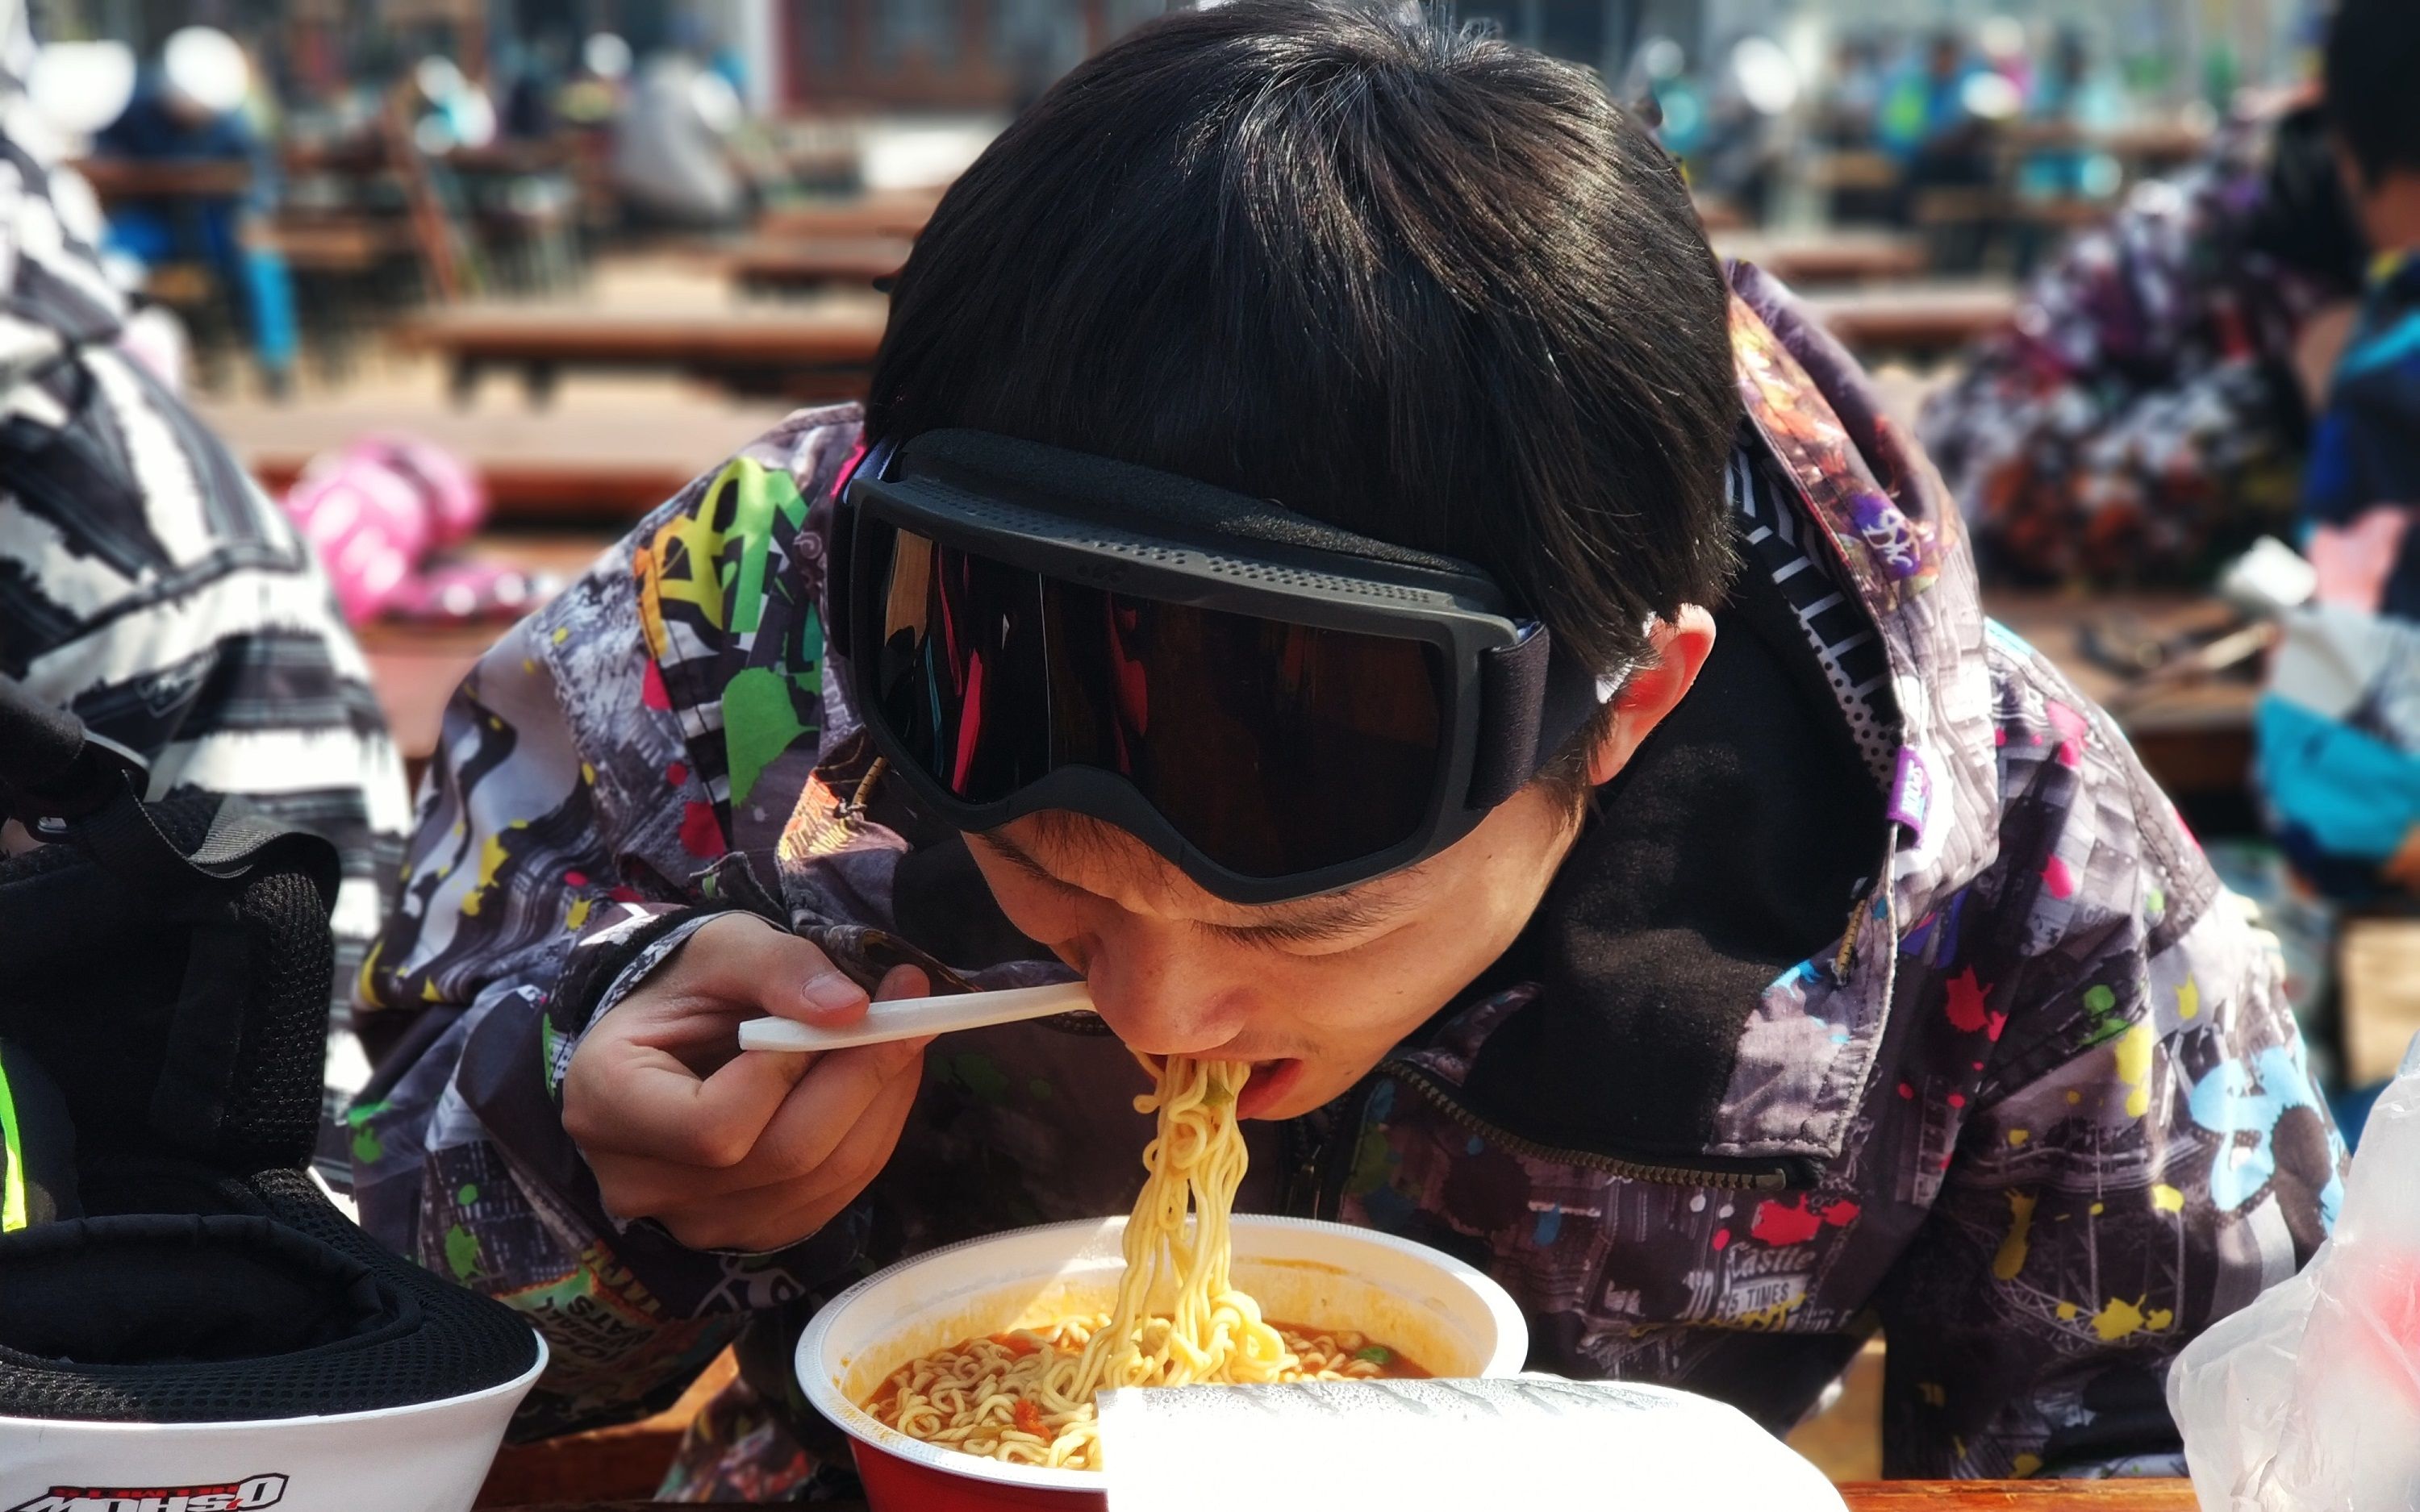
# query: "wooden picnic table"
x,y
115,179
2028,1495
2149,145
900,214
416,666
1828,257
2194,737
1718,215
1866,1496
600,463
802,353
785,264
1928,320
340,243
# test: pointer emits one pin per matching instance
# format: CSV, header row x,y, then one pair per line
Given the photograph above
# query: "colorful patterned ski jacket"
x,y
1885,991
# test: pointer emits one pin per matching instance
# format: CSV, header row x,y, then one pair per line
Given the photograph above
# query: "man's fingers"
x,y
659,1107
778,1212
752,963
645,1180
763,1147
819,1112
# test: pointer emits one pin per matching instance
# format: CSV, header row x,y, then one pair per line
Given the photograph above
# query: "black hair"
x,y
1402,277
2373,57
2303,218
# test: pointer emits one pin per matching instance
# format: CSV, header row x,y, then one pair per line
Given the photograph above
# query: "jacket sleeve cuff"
x,y
504,1078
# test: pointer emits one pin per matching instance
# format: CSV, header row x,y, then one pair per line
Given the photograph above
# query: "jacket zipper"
x,y
1780,1174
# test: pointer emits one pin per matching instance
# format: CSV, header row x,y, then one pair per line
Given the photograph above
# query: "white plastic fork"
x,y
908,1018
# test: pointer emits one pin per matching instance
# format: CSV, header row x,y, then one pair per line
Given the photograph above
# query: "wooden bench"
x,y
607,1463
902,214
601,463
1925,321
344,244
537,490
416,667
116,180
801,355
769,265
2194,737
1839,256
1869,1496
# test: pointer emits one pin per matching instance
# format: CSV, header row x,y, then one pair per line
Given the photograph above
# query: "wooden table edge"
x,y
1869,1496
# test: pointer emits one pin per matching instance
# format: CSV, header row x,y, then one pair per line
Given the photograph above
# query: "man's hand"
x,y
732,1150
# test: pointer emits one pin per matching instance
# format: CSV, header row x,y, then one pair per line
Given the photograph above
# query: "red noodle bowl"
x,y
1435,1309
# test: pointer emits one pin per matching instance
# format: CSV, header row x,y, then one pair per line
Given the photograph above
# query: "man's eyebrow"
x,y
1310,920
1305,921
1016,856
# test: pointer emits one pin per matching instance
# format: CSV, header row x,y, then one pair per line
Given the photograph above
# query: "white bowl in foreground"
x,y
426,1457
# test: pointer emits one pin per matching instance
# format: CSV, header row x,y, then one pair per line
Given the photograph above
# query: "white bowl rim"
x,y
861,1426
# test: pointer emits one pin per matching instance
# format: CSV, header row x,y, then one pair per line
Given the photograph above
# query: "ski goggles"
x,y
1278,707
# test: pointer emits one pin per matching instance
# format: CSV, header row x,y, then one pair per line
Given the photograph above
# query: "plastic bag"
x,y
2309,1398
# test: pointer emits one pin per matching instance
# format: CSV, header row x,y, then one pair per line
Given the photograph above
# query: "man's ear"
x,y
1681,645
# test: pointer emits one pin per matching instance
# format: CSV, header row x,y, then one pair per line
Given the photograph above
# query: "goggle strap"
x,y
840,563
1532,699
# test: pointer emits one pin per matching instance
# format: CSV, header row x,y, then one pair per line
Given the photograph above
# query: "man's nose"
x,y
1157,990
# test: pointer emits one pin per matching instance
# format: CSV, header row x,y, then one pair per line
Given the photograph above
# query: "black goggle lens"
x,y
1274,748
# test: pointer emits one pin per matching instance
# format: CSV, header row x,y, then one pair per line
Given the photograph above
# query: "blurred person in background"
x,y
1848,115
2071,103
595,94
533,73
2006,51
1922,108
1744,147
2070,100
2143,416
148,585
1660,76
194,106
1848,121
2339,728
1945,146
672,162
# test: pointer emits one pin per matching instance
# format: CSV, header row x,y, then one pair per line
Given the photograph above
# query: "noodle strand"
x,y
1027,1397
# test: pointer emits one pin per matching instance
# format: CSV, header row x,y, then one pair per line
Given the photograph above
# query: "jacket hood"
x,y
1711,973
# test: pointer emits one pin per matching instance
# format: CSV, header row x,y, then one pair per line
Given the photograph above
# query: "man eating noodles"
x,y
1331,559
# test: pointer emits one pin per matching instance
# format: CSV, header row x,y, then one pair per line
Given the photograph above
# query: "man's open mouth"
x,y
1273,1082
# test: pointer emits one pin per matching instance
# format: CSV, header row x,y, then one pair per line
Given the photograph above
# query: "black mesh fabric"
x,y
273,1109
96,970
431,1340
186,1036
